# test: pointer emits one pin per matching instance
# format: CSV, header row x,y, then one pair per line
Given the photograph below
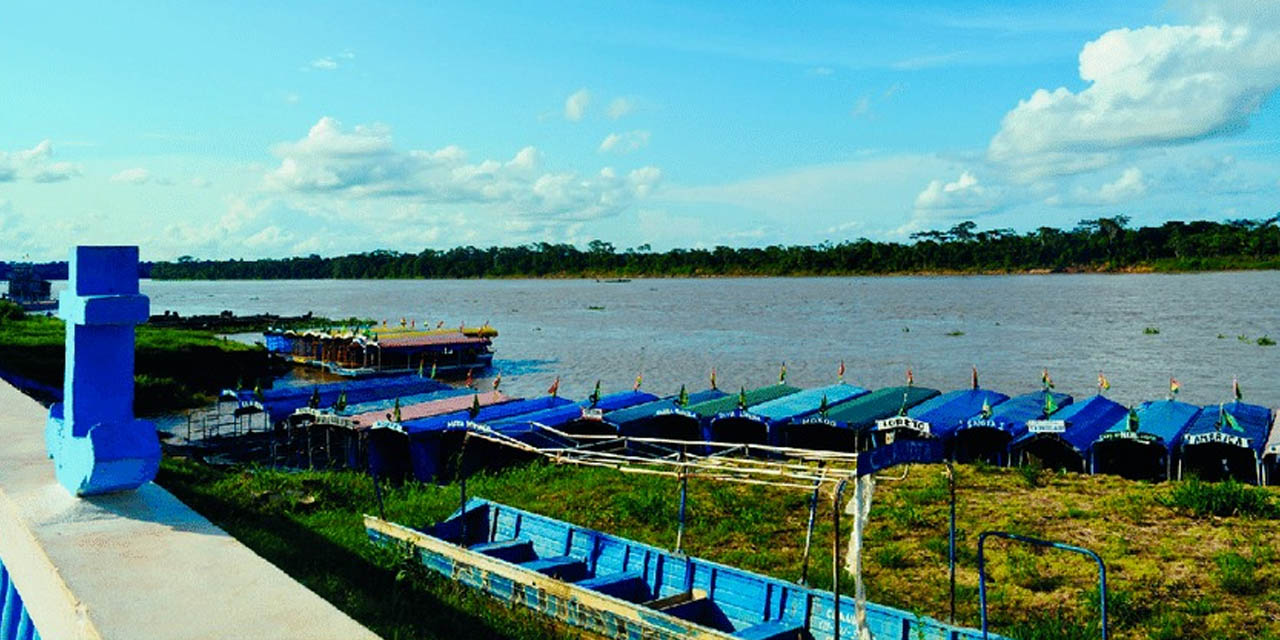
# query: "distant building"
x,y
28,289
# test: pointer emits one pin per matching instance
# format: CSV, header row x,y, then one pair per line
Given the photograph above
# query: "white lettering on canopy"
x,y
1217,436
903,422
1047,426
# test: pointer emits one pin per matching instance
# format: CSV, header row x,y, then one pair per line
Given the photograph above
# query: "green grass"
x,y
1173,570
176,368
1231,498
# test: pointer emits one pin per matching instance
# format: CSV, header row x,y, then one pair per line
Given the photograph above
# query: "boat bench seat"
x,y
517,551
775,630
566,568
628,585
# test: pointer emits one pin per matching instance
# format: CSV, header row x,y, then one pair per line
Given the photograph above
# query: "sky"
x,y
244,130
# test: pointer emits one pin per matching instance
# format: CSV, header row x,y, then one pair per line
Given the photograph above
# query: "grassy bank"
x,y
1185,561
176,368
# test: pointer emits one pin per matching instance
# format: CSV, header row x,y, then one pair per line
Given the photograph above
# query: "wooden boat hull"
x,y
626,590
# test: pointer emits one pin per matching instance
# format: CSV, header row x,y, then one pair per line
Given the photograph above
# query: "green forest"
x,y
1101,244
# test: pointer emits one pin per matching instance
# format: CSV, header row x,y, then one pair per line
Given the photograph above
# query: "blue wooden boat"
x,y
623,589
649,419
577,418
845,428
1215,449
686,422
283,400
937,417
762,423
987,438
1142,445
419,446
1063,440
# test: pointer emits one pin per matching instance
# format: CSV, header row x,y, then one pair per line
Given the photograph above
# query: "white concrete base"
x,y
136,564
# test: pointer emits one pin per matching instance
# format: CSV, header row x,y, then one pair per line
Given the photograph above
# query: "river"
x,y
673,331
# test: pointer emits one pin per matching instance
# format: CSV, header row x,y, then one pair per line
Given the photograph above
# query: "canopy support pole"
x,y
808,536
835,559
684,498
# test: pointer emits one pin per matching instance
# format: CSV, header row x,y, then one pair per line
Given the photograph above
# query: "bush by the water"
x,y
1222,499
10,311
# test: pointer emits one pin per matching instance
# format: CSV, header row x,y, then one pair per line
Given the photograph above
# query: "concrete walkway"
x,y
137,564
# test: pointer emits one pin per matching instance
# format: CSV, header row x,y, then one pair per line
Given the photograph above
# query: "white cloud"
x,y
324,64
200,183
575,106
363,163
1147,87
35,164
1131,184
136,175
820,71
619,107
861,108
625,142
966,193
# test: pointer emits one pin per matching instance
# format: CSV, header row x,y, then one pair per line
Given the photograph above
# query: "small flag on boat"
x,y
395,411
742,398
840,372
822,408
683,399
986,409
639,379
713,378
1231,421
341,403
471,381
314,400
433,370
1046,380
595,395
911,379
402,321
475,407
1132,421
1235,389
975,376
421,364
440,325
497,381
1174,386
257,393
1103,383
413,324
1049,404
555,387
782,374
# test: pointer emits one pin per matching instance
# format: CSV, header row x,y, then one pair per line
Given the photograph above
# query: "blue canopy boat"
x,y
685,423
1227,441
937,417
578,418
987,438
646,420
281,401
845,427
1063,440
1142,445
418,446
308,414
619,588
761,424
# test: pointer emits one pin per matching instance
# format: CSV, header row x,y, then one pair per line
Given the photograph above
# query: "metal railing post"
x,y
982,572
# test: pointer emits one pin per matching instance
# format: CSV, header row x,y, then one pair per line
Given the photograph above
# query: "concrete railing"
x,y
136,564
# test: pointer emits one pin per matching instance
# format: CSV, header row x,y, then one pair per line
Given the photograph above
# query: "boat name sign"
x,y
1136,436
1217,436
903,422
1047,426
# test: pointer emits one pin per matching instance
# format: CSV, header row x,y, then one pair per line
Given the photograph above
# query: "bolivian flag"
x,y
554,388
1046,380
639,379
1103,383
1174,387
782,374
911,379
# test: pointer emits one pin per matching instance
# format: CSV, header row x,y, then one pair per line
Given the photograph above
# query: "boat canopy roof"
x,y
1082,422
1011,416
862,412
946,412
1211,426
648,410
434,407
1160,422
386,404
730,401
806,403
487,414
281,401
564,414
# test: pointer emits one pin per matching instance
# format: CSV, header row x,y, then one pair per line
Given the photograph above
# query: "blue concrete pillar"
x,y
96,444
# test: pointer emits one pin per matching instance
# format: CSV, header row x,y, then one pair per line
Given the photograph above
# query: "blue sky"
x,y
238,130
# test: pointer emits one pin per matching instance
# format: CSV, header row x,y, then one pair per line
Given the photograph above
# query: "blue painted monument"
x,y
96,444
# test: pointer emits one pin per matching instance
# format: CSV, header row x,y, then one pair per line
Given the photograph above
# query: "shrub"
x,y
1221,499
1032,474
10,311
1237,574
1266,341
1151,331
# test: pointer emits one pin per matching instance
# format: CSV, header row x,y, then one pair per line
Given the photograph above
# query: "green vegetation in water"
x,y
955,333
1165,579
595,308
176,368
1100,244
1266,341
1151,331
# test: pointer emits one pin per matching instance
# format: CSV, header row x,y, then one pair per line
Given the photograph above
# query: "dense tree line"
x,y
1100,244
